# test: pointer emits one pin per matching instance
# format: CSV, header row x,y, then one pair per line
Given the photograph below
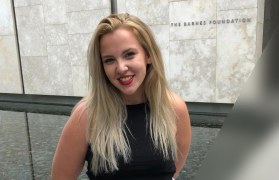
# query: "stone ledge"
x,y
202,114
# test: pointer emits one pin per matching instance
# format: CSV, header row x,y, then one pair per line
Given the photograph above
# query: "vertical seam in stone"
x,y
256,57
29,146
216,48
168,68
17,46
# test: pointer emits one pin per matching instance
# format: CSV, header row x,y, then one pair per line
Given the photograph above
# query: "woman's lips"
x,y
126,80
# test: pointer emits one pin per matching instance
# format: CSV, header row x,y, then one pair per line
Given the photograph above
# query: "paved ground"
x,y
41,137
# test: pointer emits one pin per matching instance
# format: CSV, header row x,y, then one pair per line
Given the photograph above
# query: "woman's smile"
x,y
126,80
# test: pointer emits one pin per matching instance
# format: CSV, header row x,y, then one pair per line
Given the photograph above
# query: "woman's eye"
x,y
108,61
129,55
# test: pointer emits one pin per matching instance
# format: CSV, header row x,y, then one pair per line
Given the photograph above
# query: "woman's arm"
x,y
183,135
72,147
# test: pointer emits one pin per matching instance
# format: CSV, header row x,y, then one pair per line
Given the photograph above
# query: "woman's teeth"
x,y
123,79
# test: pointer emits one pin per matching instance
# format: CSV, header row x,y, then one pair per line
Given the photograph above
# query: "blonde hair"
x,y
106,110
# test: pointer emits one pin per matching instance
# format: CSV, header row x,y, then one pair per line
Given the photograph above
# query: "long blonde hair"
x,y
106,110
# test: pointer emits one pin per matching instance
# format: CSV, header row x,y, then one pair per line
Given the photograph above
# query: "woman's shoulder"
x,y
75,128
178,101
78,116
80,110
179,106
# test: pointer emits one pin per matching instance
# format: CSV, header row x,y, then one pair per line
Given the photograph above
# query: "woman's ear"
x,y
148,67
148,60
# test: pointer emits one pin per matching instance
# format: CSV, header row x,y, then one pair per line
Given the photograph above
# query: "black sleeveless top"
x,y
146,163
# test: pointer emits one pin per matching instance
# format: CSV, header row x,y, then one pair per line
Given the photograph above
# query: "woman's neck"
x,y
134,100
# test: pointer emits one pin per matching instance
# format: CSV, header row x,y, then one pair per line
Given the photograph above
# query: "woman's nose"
x,y
121,67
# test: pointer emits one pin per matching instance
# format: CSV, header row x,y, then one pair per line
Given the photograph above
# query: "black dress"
x,y
146,163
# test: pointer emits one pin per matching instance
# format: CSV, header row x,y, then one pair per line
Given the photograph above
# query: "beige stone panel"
x,y
60,77
54,11
259,43
166,57
132,7
161,34
36,75
56,34
192,69
121,6
80,80
85,21
74,5
184,13
32,42
236,4
236,57
78,44
31,34
261,11
6,18
153,12
10,80
20,3
29,16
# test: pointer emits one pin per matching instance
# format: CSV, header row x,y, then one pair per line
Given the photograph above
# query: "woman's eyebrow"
x,y
127,50
106,56
124,52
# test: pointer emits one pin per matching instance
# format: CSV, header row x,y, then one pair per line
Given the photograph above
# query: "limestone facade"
x,y
209,49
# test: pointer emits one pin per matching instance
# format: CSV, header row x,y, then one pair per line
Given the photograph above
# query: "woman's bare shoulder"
x,y
76,124
79,113
74,130
178,103
181,112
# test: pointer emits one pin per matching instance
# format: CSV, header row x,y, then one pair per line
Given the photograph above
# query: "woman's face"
x,y
124,61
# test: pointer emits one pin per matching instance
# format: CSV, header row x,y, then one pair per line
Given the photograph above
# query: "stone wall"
x,y
209,49
10,79
53,38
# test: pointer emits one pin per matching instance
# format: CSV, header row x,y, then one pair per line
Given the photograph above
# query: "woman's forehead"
x,y
121,38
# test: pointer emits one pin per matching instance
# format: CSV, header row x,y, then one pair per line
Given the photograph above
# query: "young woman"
x,y
131,125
